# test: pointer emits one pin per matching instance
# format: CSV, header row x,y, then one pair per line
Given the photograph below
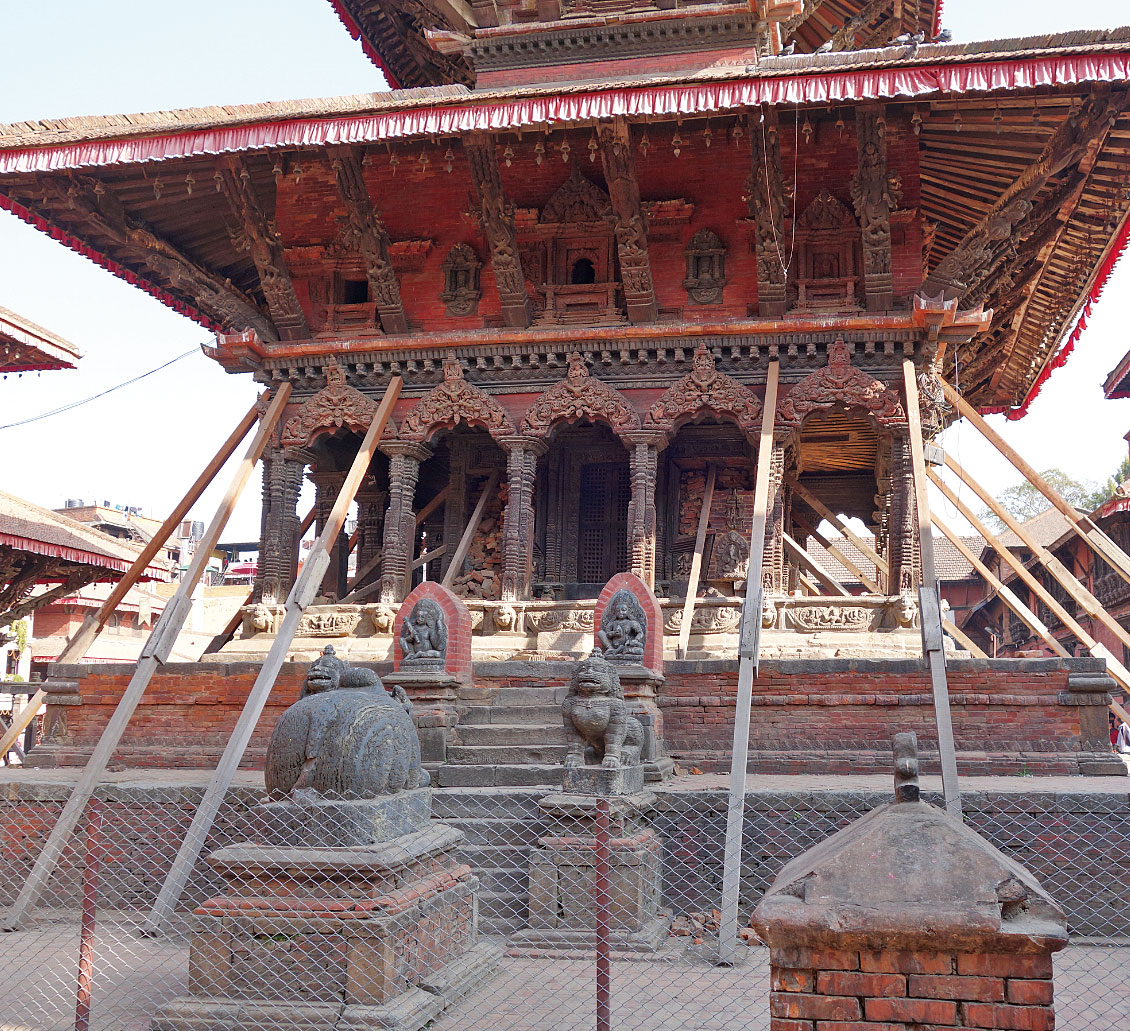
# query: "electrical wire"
x,y
95,397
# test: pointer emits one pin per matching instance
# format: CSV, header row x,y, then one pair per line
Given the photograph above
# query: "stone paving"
x,y
678,991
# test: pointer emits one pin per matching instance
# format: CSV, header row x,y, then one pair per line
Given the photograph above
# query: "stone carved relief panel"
x,y
423,636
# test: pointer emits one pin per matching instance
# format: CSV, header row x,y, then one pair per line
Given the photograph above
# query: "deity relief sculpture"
x,y
731,556
597,723
623,629
345,738
423,637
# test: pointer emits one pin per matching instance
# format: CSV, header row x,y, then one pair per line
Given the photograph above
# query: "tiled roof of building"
x,y
1045,529
948,560
25,526
26,347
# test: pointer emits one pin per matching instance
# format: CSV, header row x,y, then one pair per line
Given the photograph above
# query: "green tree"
x,y
1023,501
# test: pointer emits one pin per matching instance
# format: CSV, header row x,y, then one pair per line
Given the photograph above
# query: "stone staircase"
x,y
501,827
506,737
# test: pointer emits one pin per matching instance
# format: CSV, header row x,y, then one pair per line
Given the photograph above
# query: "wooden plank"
x,y
20,721
836,553
469,532
154,653
79,645
929,599
363,572
823,577
427,556
432,505
1084,598
696,561
304,591
1115,557
963,639
749,644
825,512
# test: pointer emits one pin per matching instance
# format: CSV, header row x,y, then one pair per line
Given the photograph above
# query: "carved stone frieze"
x,y
580,396
335,405
707,619
839,382
550,621
332,622
705,390
452,401
831,617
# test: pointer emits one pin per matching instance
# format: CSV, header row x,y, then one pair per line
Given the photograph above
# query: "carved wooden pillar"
x,y
327,486
643,463
370,519
496,216
400,519
767,211
774,572
518,520
903,546
631,224
278,536
874,194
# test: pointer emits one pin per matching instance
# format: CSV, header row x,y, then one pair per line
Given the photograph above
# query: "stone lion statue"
x,y
597,723
345,738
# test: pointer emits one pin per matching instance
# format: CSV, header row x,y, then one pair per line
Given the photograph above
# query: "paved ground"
x,y
677,992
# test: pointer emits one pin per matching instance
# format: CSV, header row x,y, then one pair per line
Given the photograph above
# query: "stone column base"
x,y
432,693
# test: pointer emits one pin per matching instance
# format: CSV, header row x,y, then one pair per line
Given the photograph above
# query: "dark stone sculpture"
x,y
345,738
623,628
423,637
596,719
905,747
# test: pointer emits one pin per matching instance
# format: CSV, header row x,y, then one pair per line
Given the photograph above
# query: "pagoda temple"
x,y
581,231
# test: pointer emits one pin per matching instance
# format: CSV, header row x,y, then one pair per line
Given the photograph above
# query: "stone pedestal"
x,y
906,919
640,686
563,868
377,930
433,697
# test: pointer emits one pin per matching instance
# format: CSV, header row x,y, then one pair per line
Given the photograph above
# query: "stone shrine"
x,y
351,909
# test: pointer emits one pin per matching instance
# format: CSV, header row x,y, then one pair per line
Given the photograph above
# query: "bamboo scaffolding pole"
x,y
749,646
1082,597
1115,557
836,553
929,599
825,512
696,561
153,654
464,545
822,575
304,591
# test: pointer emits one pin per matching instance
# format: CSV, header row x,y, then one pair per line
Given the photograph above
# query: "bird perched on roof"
x,y
901,40
788,51
945,36
824,47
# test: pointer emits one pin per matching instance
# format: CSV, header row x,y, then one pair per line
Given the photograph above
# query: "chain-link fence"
x,y
486,915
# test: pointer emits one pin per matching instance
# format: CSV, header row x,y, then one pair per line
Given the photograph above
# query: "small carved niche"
x,y
706,267
461,287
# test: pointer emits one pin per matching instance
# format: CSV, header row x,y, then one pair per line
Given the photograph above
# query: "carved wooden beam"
x,y
372,238
149,256
1081,133
259,237
766,195
631,223
844,39
875,193
790,25
496,215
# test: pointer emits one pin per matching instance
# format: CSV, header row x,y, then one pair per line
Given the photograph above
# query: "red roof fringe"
x,y
1060,359
938,18
354,30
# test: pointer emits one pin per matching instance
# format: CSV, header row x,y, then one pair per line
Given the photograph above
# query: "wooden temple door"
x,y
602,529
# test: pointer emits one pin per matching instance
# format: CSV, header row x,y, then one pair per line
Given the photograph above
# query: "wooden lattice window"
x,y
602,538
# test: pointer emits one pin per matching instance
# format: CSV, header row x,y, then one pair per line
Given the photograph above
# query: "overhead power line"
x,y
101,393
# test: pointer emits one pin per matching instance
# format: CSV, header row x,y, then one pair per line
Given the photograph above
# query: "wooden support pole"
x,y
825,512
20,721
929,599
304,591
1115,557
822,575
427,556
432,505
696,561
963,639
92,626
364,571
1082,597
468,532
839,555
749,645
153,654
1008,596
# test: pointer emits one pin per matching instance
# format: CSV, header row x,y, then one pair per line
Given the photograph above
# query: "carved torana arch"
x,y
451,401
839,382
705,390
337,404
580,396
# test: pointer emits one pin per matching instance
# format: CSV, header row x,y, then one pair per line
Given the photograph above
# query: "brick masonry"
x,y
1034,716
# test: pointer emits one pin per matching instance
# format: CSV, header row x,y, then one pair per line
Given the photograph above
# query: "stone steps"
x,y
532,754
478,715
481,773
525,734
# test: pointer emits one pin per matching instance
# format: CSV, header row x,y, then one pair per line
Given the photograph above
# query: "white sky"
x,y
145,444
